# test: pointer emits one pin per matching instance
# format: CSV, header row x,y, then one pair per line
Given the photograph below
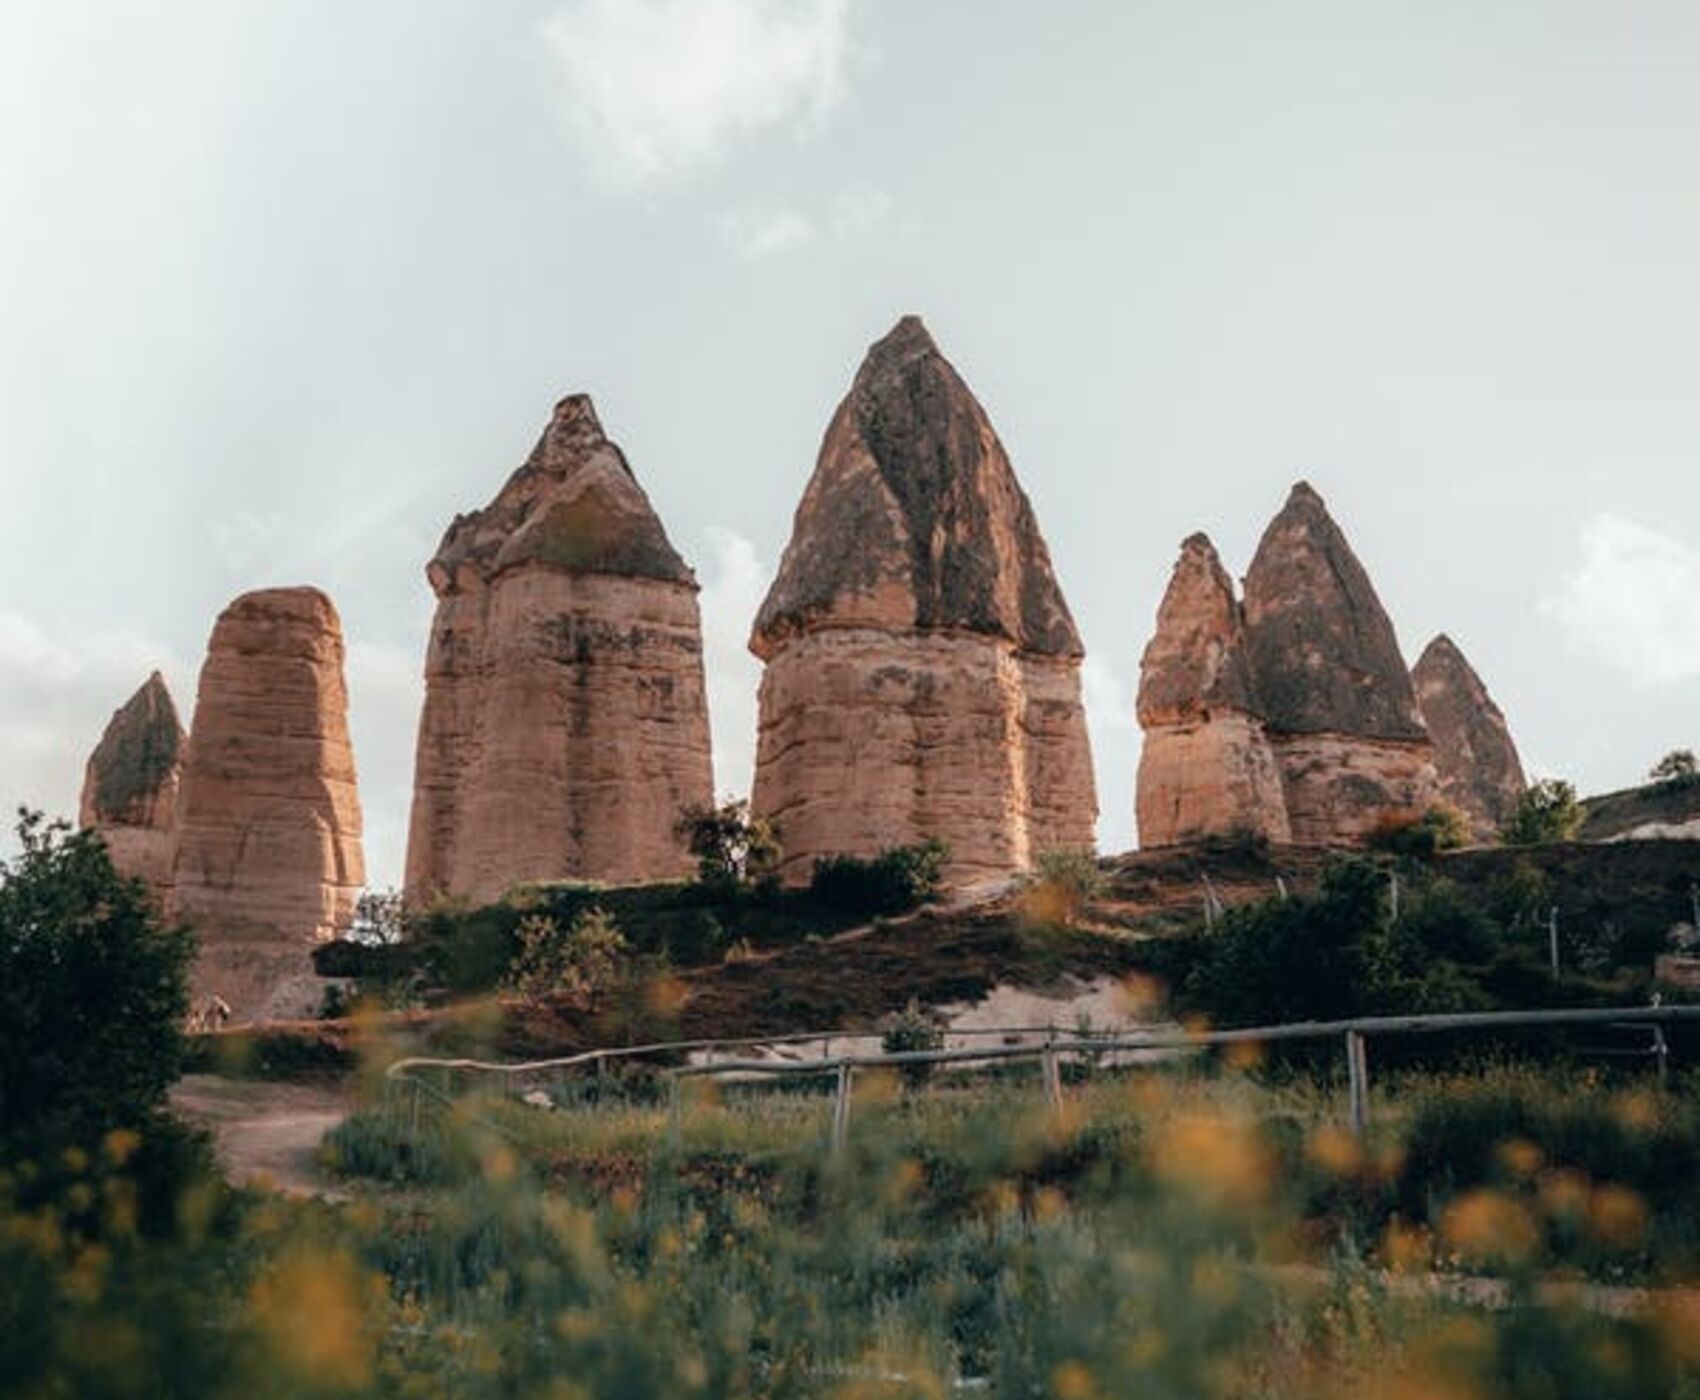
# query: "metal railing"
x,y
1057,1043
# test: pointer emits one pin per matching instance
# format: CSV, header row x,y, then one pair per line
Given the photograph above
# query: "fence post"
x,y
841,1109
673,1114
1357,1078
1053,1078
1661,1049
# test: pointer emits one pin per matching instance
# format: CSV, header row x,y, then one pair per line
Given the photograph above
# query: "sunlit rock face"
x,y
269,859
1332,687
1480,771
922,669
130,786
565,722
1206,768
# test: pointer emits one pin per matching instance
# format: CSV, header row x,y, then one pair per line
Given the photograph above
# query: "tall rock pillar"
x,y
1480,772
922,670
565,722
1206,768
269,859
130,786
1335,694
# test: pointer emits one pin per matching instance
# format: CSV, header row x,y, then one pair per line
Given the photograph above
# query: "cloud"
x,y
735,582
1633,603
653,88
859,209
763,233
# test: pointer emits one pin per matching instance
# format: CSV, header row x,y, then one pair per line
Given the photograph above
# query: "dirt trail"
x,y
265,1132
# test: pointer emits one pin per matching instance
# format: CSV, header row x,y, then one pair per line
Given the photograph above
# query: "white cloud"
x,y
735,582
760,234
656,87
859,209
1634,601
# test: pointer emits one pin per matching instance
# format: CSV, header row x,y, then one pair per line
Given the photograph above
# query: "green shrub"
x,y
1547,811
734,850
1063,883
93,993
584,963
1442,828
910,1031
1678,768
898,879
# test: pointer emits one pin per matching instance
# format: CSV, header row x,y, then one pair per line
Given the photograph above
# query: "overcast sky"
x,y
284,285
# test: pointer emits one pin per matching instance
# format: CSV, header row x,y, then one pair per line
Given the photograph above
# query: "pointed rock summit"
x,y
269,859
565,721
1206,768
1307,669
922,673
130,785
1335,693
1474,755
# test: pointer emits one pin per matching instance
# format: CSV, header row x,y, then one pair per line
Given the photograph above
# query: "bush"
x,y
584,964
1547,811
896,880
733,849
1064,882
93,993
1678,768
911,1031
1442,828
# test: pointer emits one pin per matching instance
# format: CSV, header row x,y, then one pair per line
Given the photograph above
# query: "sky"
x,y
284,284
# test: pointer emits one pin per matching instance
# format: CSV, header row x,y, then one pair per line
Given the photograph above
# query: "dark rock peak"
x,y
137,753
1474,753
1322,647
912,488
1443,668
574,505
1196,659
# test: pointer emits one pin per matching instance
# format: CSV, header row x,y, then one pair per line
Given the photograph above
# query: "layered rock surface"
x,y
922,668
130,785
1334,691
1207,768
1474,755
269,859
565,721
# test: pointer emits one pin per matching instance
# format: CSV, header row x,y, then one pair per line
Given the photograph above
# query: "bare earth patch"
x,y
266,1133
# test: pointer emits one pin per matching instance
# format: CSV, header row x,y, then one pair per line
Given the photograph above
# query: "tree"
x,y
584,963
93,993
1677,766
733,849
1547,811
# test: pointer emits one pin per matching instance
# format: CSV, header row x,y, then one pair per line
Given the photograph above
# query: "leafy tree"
x,y
1547,811
1322,957
896,880
584,963
93,993
733,849
1442,828
1677,766
910,1031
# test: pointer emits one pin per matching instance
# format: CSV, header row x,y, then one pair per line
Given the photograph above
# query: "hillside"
x,y
1670,808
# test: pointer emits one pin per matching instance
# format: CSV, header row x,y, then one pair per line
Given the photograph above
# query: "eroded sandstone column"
x,y
1334,691
269,858
130,786
922,670
1479,769
565,722
1207,768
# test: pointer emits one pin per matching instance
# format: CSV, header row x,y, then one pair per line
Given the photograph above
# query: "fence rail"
x,y
1058,1042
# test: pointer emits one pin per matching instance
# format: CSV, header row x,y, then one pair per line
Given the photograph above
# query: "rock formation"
x,y
1207,768
565,721
922,669
268,850
1334,692
130,786
1478,766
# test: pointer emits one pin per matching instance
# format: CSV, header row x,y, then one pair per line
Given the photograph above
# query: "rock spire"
x,y
1207,768
565,721
922,669
1479,769
130,785
269,857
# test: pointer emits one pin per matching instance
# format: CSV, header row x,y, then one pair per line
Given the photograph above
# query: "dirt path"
x,y
265,1133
